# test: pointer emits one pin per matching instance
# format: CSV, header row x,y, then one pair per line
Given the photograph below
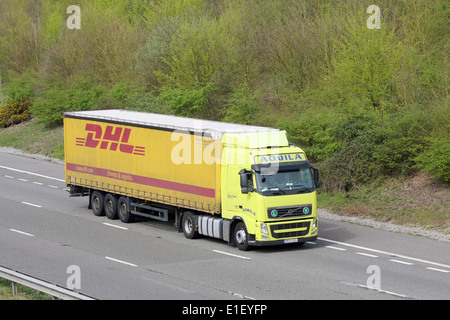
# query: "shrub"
x,y
187,102
436,158
354,162
243,107
314,131
83,94
22,86
403,139
15,112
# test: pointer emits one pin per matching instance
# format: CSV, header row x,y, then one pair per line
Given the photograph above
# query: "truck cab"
x,y
268,190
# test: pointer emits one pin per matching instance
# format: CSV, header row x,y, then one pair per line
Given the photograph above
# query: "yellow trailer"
x,y
213,177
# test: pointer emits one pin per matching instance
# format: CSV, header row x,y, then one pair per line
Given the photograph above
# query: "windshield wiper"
x,y
276,190
301,185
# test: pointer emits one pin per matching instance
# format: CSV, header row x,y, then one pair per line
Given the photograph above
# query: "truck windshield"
x,y
285,182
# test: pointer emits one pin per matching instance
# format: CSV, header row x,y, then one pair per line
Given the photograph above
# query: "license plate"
x,y
290,240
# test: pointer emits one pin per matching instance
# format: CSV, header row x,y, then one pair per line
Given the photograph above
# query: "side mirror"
x,y
316,177
244,175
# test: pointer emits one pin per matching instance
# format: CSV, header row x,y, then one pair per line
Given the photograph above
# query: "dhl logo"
x,y
114,139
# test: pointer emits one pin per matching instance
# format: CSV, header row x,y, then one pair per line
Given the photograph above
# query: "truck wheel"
x,y
110,206
241,236
123,210
97,200
188,225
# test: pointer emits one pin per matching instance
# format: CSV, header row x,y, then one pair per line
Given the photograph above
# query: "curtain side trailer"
x,y
246,185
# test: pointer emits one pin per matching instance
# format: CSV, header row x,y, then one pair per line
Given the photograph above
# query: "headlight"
x,y
264,228
314,224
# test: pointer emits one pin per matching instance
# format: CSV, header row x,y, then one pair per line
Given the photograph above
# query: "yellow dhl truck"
x,y
246,185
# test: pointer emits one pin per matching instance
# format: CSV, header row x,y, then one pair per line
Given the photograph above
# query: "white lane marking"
x,y
238,295
9,177
436,269
21,232
32,204
379,290
23,180
113,225
402,262
387,253
335,248
38,183
121,261
232,255
367,254
32,173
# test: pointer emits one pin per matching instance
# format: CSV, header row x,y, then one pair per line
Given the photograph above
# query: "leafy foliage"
x,y
362,103
15,112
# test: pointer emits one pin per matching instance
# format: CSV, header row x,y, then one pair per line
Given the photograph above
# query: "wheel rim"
x,y
109,206
123,210
96,204
241,236
188,225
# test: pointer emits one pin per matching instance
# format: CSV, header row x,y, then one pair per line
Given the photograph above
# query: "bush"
x,y
355,160
22,86
436,158
187,102
83,94
243,107
146,102
15,112
313,131
403,139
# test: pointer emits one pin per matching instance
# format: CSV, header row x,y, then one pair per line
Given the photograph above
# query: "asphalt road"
x,y
43,232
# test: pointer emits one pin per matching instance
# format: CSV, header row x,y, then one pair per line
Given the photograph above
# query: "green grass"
x,y
34,137
416,200
23,293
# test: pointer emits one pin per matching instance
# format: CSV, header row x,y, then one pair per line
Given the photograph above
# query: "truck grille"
x,y
288,212
277,229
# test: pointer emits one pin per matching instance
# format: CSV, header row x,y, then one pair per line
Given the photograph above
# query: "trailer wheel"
x,y
240,236
110,206
97,200
188,225
124,211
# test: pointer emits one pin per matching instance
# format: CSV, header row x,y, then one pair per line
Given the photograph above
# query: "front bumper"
x,y
258,243
283,232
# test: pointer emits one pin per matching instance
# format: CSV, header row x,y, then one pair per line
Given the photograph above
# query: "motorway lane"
x,y
151,260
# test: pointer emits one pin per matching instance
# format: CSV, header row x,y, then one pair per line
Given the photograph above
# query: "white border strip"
x,y
32,173
386,252
121,261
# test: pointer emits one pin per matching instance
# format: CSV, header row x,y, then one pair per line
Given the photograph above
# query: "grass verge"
x,y
23,293
34,137
414,201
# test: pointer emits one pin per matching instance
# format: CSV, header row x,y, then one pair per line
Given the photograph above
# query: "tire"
x,y
123,210
188,225
240,236
110,206
97,201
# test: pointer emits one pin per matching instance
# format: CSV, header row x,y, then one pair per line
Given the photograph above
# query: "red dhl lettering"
x,y
113,138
